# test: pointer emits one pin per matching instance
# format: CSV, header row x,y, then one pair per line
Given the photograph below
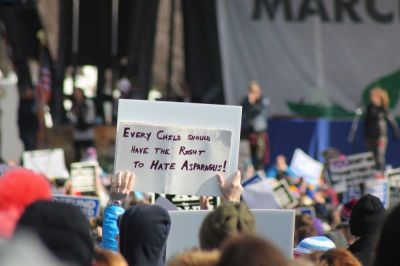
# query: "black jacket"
x,y
364,249
375,122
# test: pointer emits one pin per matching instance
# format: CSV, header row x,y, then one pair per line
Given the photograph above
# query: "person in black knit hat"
x,y
365,221
63,228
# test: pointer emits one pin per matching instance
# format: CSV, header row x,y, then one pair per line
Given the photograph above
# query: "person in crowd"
x,y
365,221
26,249
250,250
196,258
311,244
104,257
121,186
344,228
63,229
338,238
143,234
18,189
313,257
280,170
338,257
375,130
303,232
345,211
28,122
83,116
225,221
304,227
254,125
387,248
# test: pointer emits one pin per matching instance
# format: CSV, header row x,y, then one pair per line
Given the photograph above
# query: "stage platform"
x,y
315,135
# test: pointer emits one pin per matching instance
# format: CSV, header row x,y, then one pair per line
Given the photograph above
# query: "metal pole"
x,y
75,36
170,65
114,28
114,40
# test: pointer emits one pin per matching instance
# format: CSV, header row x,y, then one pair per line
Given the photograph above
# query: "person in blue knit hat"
x,y
314,243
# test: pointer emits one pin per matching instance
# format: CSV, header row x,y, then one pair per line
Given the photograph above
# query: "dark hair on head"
x,y
338,257
387,249
250,250
303,219
303,232
314,256
104,257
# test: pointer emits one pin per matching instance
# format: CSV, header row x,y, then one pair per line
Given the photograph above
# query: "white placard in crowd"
x,y
379,188
48,162
177,148
351,171
83,176
305,166
275,225
284,196
393,177
166,204
172,160
260,195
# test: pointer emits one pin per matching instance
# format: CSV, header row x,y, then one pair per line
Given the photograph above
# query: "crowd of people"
x,y
360,232
133,230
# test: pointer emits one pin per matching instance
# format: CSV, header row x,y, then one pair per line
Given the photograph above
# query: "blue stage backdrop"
x,y
315,135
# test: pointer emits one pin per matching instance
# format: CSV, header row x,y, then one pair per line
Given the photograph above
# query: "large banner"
x,y
311,57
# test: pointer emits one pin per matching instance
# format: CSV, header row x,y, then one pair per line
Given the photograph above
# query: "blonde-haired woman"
x,y
375,131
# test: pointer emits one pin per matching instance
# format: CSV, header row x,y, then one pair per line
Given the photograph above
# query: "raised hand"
x,y
231,190
121,185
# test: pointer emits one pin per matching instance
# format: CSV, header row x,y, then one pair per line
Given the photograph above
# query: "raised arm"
x,y
121,185
231,190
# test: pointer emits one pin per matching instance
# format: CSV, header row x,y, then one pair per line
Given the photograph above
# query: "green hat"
x,y
225,221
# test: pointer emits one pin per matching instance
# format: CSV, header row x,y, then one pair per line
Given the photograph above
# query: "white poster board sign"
x,y
177,148
305,166
48,162
379,188
275,225
350,172
83,176
260,195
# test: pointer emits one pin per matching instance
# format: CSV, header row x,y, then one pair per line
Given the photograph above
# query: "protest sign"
x,y
352,171
283,196
177,148
379,188
83,176
260,195
393,177
306,167
48,162
186,202
90,206
166,204
275,225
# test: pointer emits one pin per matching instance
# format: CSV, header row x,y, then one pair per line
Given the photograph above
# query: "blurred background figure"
x,y
255,124
82,115
280,170
376,135
28,119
